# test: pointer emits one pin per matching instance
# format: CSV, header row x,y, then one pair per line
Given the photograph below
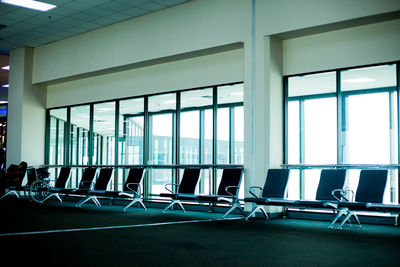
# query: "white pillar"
x,y
26,111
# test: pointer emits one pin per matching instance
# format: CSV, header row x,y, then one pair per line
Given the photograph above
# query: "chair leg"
x,y
258,207
10,192
135,200
338,215
56,195
172,204
233,207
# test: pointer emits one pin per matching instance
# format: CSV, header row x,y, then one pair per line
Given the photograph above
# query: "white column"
x,y
26,111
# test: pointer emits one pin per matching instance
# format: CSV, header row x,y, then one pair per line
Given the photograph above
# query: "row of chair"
x,y
227,191
330,194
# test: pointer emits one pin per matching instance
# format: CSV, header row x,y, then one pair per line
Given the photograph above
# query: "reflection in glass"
x,y
58,119
313,84
81,119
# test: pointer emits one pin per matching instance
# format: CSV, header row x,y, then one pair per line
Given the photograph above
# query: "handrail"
x,y
151,166
341,166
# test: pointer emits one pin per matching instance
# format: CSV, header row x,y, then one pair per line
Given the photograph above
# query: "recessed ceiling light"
x,y
359,80
30,4
5,85
3,102
5,68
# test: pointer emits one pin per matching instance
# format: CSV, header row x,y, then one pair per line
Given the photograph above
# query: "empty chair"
x,y
60,184
228,190
370,190
99,188
13,179
184,190
331,180
131,189
84,185
273,192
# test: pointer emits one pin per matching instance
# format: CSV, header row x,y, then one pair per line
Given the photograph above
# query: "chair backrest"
x,y
230,177
87,178
103,179
371,186
63,177
276,183
330,180
134,178
15,174
31,175
189,181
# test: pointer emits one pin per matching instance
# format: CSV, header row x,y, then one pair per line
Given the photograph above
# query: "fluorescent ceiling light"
x,y
5,68
5,85
3,102
359,80
30,4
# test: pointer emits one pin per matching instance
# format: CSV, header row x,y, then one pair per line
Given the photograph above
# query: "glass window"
x,y
194,125
313,84
58,119
80,117
161,124
131,131
369,78
104,133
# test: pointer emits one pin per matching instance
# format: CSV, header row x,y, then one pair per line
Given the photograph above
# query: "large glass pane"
x,y
312,84
223,136
161,125
367,129
383,76
193,125
190,137
80,117
293,133
320,132
58,118
208,136
104,133
131,131
238,145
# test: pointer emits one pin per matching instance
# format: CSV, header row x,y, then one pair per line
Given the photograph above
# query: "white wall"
x,y
193,26
362,45
219,68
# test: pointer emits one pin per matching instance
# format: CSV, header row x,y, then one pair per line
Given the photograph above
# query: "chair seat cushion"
x,y
313,203
214,198
353,205
180,196
383,207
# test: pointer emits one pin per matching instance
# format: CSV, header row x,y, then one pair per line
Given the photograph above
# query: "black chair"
x,y
184,190
60,184
131,189
84,185
14,177
100,187
331,180
273,192
370,190
228,190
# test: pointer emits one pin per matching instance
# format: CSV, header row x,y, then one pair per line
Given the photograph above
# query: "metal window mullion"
x,y
339,120
146,147
47,140
67,138
286,120
176,137
116,144
231,135
398,125
91,135
302,147
201,146
213,179
57,141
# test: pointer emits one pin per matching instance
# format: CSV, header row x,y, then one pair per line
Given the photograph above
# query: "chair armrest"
x,y
254,187
138,188
229,193
342,195
170,190
87,183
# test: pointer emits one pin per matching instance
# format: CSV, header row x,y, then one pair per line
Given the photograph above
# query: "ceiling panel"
x,y
27,27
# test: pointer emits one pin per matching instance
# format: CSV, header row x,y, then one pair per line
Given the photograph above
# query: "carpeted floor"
x,y
139,238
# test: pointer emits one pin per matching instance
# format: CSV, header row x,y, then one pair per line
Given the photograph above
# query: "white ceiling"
x,y
27,27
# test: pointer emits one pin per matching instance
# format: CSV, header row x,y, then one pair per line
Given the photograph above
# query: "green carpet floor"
x,y
279,242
